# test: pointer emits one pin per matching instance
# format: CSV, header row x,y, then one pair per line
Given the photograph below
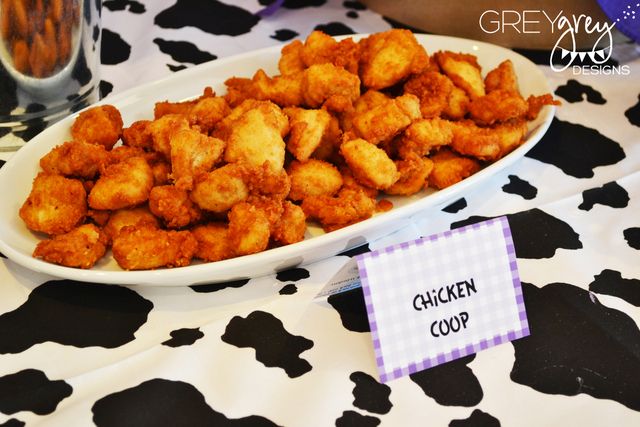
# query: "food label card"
x,y
442,297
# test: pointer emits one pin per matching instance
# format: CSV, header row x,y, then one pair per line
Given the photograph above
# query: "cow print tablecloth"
x,y
267,352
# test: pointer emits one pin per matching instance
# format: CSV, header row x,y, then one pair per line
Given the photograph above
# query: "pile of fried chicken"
x,y
343,124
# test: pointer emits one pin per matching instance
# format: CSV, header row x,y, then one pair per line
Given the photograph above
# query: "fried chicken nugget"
x,y
174,206
284,90
55,204
433,89
414,171
192,154
463,70
497,106
502,77
266,181
386,120
98,125
213,241
256,137
75,158
370,164
291,225
207,112
249,229
536,103
320,48
457,104
122,185
220,189
389,57
327,83
308,128
181,108
450,168
138,134
313,178
290,61
129,216
163,129
488,143
81,247
145,247
348,207
423,136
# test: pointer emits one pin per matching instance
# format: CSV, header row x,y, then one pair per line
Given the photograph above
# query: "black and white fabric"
x,y
267,352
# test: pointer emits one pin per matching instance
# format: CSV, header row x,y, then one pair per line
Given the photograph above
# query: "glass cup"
x,y
49,58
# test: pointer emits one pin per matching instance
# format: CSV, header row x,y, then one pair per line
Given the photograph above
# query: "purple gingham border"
x,y
455,353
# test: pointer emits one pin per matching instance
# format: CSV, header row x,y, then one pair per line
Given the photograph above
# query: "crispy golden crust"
x,y
414,171
308,128
497,106
144,247
98,125
131,216
162,130
213,241
313,178
433,90
370,164
322,83
450,168
290,61
502,77
174,206
423,136
138,135
291,225
349,206
55,205
387,119
220,189
463,70
192,154
249,229
320,48
75,159
207,112
122,185
81,247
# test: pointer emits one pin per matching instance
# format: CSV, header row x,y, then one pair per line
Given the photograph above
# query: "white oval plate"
x,y
16,176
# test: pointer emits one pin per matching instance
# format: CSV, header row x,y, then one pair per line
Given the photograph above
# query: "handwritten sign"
x,y
442,297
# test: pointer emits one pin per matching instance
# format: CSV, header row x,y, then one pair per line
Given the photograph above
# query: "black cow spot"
x,y
292,275
576,149
633,113
105,88
163,402
450,384
2,255
13,423
299,4
350,306
352,14
536,234
520,187
210,16
356,251
352,418
610,194
131,5
81,71
34,126
284,35
183,51
215,287
577,345
8,93
2,162
274,346
369,394
31,390
334,29
632,236
355,5
456,206
610,282
288,289
574,91
96,33
114,49
184,336
73,313
476,419
176,68
4,131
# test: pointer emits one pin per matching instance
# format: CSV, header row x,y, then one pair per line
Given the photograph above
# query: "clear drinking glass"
x,y
49,59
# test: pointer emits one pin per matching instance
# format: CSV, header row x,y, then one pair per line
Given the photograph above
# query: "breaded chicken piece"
x,y
330,143
389,57
81,247
510,135
272,208
163,128
307,130
122,185
207,112
497,106
536,103
433,89
284,90
349,181
367,101
138,135
423,136
348,207
249,229
291,225
213,241
144,247
290,61
164,108
386,120
130,216
414,171
55,204
75,158
450,168
502,77
161,172
457,104
124,152
370,165
327,83
463,70
220,189
99,218
256,137
174,206
265,181
192,154
313,178
320,48
487,143
98,125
